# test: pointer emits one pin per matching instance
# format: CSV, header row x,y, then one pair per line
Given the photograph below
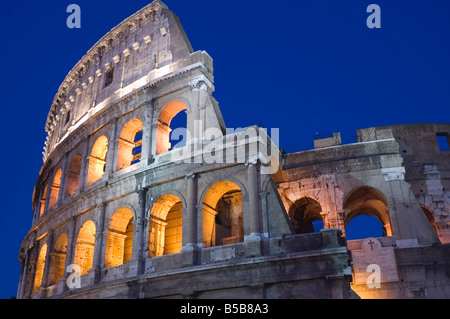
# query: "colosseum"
x,y
120,212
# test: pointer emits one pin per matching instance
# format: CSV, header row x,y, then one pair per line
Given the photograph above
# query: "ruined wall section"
x,y
330,174
427,168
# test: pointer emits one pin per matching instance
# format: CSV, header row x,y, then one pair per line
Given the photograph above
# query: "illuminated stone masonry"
x,y
120,212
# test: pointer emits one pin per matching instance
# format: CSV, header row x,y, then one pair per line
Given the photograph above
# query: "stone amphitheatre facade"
x,y
223,217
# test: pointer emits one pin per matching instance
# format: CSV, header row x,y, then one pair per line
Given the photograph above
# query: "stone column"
x,y
84,166
112,149
33,272
37,211
154,134
339,222
153,128
156,247
147,132
264,213
253,202
196,119
23,280
193,121
406,216
62,190
145,230
48,195
325,220
139,230
98,248
71,244
190,221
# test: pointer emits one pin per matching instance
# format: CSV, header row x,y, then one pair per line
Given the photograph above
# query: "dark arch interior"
x,y
305,216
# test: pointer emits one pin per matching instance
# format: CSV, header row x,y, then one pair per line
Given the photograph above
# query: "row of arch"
x,y
306,214
223,223
128,152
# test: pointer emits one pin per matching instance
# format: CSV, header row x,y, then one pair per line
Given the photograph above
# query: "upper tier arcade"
x,y
145,48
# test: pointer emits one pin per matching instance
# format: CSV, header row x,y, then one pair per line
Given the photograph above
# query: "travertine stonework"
x,y
220,217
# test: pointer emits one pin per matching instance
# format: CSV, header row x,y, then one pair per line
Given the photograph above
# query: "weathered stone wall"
x,y
427,169
301,266
420,272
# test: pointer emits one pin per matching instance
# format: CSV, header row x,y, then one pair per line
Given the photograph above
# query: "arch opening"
x,y
223,218
164,138
130,144
40,267
73,175
119,241
97,160
367,209
166,226
43,200
58,259
305,216
84,250
54,193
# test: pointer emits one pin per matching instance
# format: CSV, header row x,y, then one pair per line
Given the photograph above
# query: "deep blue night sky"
x,y
303,66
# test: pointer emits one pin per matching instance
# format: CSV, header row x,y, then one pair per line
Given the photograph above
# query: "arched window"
x,y
223,220
43,199
40,268
58,259
73,175
119,241
54,193
84,250
166,226
130,143
164,127
366,201
97,160
305,215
